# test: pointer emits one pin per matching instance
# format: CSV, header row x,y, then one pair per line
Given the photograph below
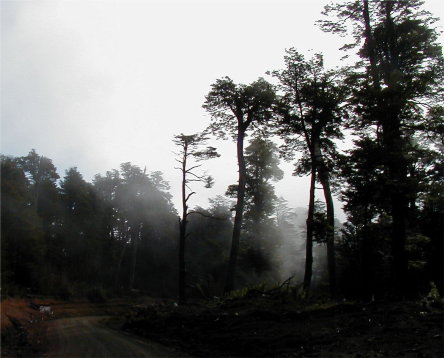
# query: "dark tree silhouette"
x,y
235,109
190,152
312,111
398,89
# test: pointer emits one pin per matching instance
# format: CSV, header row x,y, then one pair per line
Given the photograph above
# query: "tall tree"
x,y
262,164
235,109
312,111
398,90
139,219
23,246
83,232
190,152
42,175
260,232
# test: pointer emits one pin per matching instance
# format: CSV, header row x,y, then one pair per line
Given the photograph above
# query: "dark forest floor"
x,y
258,326
264,327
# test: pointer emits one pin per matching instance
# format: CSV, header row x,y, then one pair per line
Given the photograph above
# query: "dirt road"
x,y
87,337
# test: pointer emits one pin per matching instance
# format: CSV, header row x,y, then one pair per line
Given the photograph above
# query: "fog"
x,y
93,85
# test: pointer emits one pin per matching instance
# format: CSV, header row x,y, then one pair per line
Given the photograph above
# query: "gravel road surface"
x,y
87,337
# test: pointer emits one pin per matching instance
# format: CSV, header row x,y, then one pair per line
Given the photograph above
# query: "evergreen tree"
x,y
23,245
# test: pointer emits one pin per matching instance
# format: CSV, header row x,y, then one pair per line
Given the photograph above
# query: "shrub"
x,y
65,293
96,294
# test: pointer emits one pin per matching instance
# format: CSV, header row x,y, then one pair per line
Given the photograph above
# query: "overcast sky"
x,y
93,84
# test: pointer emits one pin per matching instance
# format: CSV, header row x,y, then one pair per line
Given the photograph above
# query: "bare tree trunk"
x,y
309,241
182,270
331,256
239,213
182,233
324,179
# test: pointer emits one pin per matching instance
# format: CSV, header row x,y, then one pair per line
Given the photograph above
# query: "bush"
x,y
65,293
96,294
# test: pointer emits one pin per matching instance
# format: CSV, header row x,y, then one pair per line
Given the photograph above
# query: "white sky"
x,y
93,84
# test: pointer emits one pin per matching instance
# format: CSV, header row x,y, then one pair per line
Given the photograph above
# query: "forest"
x,y
120,235
125,232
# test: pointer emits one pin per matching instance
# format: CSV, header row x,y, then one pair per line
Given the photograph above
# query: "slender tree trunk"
x,y
331,256
119,266
182,270
239,213
309,242
397,174
324,179
366,267
182,233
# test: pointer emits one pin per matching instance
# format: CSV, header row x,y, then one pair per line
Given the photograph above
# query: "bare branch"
x,y
188,196
189,169
200,177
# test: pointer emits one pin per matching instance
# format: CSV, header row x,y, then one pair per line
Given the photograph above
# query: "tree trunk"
x,y
119,266
239,213
182,270
396,168
183,230
309,242
387,115
397,163
324,179
367,286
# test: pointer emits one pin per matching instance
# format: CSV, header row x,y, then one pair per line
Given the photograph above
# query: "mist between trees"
x,y
67,237
121,233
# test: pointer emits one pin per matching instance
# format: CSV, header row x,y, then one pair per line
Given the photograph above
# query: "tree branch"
x,y
207,216
188,171
188,196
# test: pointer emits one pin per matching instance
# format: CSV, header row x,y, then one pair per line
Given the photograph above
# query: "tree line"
x,y
390,99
